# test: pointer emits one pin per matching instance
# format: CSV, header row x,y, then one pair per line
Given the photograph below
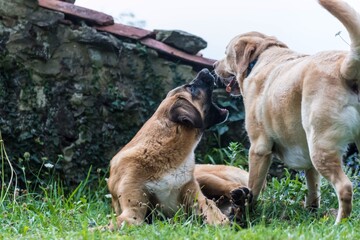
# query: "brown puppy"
x,y
156,168
303,109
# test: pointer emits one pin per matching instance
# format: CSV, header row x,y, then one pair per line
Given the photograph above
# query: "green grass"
x,y
53,214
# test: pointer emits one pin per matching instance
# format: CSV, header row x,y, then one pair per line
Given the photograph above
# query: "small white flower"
x,y
48,165
107,195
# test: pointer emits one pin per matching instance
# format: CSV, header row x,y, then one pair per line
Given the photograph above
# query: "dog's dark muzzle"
x,y
204,79
214,115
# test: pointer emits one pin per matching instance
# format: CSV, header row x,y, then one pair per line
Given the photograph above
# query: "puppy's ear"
x,y
183,112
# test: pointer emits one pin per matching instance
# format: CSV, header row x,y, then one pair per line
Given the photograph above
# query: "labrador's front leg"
x,y
259,163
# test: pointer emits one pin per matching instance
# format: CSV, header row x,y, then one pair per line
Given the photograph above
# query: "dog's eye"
x,y
190,88
194,90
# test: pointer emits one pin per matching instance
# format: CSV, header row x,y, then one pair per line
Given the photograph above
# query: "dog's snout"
x,y
206,76
205,71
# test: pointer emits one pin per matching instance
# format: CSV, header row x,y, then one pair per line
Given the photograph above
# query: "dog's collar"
x,y
250,67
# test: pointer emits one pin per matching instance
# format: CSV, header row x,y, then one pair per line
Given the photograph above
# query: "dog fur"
x,y
227,185
156,168
304,109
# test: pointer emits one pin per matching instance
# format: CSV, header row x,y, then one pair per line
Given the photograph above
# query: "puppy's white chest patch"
x,y
168,187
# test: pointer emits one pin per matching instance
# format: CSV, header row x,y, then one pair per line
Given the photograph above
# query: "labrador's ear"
x,y
244,53
249,48
183,112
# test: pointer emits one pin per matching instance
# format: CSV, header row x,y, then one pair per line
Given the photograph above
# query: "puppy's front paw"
x,y
240,198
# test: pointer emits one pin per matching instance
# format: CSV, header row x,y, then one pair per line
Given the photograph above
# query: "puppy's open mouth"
x,y
223,111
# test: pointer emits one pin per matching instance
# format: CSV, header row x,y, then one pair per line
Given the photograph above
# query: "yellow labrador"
x,y
156,168
304,109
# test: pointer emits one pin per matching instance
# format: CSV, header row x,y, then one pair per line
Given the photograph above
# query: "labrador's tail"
x,y
350,18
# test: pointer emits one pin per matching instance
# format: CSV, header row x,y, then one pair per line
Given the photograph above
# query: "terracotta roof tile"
x,y
76,11
126,31
162,47
106,23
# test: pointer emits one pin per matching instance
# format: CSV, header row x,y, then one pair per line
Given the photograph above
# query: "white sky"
x,y
303,24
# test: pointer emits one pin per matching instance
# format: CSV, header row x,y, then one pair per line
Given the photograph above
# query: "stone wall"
x,y
71,96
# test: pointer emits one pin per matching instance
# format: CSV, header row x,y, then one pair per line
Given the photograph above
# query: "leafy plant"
x,y
235,154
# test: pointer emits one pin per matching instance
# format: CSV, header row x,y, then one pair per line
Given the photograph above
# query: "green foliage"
x,y
211,148
234,154
285,201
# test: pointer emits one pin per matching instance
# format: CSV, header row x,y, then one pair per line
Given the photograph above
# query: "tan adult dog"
x,y
303,109
156,168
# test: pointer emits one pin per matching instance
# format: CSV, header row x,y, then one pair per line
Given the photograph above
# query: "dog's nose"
x,y
205,71
206,76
